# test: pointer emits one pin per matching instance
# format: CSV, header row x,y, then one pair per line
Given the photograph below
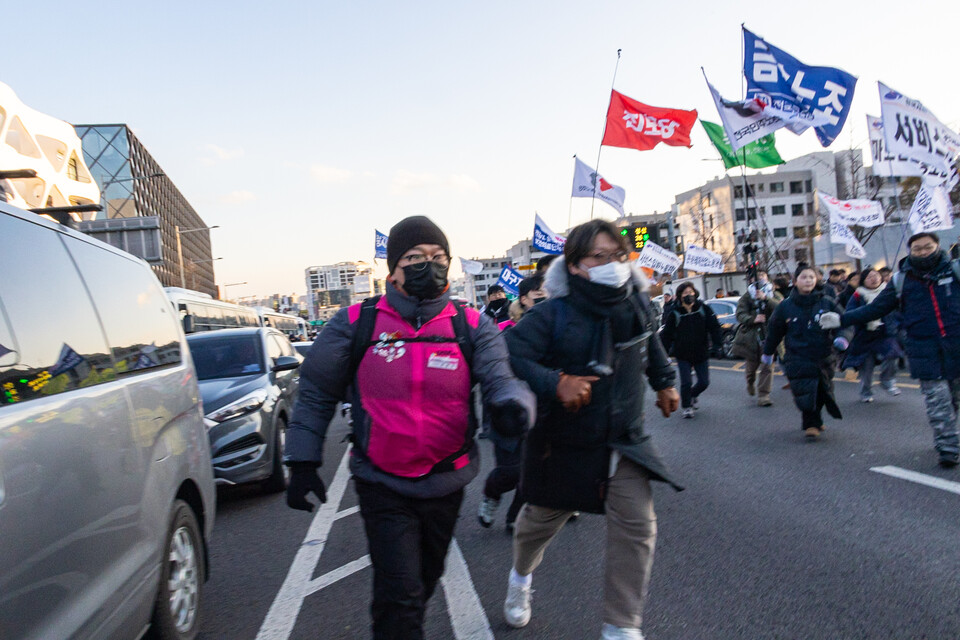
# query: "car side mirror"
x,y
286,363
188,324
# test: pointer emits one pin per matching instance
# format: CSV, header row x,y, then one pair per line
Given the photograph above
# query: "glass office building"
x,y
139,200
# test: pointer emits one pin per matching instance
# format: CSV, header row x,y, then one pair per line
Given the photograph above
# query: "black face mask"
x,y
689,299
425,281
926,263
537,301
497,305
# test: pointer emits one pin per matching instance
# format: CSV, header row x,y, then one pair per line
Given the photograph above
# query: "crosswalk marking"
x,y
919,478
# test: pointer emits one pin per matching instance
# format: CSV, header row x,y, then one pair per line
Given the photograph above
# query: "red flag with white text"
x,y
634,125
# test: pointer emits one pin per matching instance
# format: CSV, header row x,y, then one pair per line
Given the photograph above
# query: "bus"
x,y
200,312
293,327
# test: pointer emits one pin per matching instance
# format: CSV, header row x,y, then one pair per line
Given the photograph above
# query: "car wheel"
x,y
176,613
728,345
279,472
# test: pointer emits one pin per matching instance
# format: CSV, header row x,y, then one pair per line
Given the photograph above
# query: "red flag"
x,y
634,125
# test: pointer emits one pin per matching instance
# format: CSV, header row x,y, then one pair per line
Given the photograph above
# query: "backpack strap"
x,y
898,284
461,329
363,336
956,269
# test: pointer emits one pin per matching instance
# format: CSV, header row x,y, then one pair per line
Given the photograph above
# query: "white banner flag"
x,y
862,213
885,164
931,210
655,257
587,183
742,123
702,260
910,130
473,267
840,233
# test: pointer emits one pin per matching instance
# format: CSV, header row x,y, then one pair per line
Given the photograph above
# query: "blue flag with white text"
x,y
380,249
546,240
510,280
804,96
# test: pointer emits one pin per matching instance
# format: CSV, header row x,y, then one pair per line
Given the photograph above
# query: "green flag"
x,y
756,155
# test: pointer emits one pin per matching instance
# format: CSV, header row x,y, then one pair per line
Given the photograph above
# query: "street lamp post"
x,y
232,284
179,232
193,273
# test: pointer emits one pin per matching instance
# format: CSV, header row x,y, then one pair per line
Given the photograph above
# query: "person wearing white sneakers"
x,y
586,353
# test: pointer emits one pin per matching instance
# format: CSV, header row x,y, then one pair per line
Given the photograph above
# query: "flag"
x,y
755,155
655,257
703,260
840,233
546,240
931,210
910,130
472,267
510,280
4,351
587,183
634,125
886,164
862,213
380,245
68,359
744,122
802,95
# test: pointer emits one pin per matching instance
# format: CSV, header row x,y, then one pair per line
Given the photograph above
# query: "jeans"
x,y
505,477
408,540
942,398
689,391
888,369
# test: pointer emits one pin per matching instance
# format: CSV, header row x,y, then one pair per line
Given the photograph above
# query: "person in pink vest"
x,y
407,362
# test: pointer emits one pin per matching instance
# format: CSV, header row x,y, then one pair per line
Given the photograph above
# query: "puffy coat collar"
x,y
557,281
414,310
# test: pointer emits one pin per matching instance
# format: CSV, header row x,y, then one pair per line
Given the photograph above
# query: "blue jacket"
x,y
930,303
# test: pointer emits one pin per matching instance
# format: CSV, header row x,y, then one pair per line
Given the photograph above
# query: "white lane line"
x,y
919,478
339,573
286,606
347,512
466,613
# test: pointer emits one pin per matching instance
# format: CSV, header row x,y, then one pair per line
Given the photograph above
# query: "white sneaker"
x,y
488,508
892,390
610,632
688,412
516,608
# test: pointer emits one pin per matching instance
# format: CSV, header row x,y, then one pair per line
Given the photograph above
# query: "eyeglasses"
x,y
603,257
419,261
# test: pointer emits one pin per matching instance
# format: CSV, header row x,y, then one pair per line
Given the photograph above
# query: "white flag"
x,y
840,233
885,164
742,123
931,210
862,213
702,260
910,130
473,267
655,257
587,183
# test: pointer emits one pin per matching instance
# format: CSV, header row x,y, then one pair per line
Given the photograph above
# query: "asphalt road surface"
x,y
853,536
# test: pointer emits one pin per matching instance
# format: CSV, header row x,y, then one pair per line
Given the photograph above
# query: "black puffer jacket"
x,y
567,455
809,349
687,334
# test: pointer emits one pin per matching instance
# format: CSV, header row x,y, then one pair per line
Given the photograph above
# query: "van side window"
x,y
136,315
50,338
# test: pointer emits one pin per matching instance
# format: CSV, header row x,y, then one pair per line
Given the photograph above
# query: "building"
x,y
332,286
34,142
143,211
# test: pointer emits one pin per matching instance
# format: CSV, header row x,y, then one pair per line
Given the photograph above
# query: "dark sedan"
x,y
248,381
726,310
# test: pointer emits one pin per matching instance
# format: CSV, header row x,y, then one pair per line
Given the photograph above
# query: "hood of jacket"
x,y
516,310
557,281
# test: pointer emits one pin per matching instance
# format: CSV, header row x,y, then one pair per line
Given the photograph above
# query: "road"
x,y
774,537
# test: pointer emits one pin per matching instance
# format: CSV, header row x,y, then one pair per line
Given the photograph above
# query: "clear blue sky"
x,y
300,127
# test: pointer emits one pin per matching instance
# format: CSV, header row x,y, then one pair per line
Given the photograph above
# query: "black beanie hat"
x,y
410,232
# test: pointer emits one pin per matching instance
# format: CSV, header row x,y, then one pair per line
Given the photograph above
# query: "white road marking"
x,y
286,606
467,616
466,613
919,478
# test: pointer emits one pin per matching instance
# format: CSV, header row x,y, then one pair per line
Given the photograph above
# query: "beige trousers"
x,y
750,367
631,536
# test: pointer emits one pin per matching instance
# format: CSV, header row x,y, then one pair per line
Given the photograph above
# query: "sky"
x,y
300,127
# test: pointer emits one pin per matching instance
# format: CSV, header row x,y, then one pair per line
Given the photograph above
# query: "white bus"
x,y
200,312
293,327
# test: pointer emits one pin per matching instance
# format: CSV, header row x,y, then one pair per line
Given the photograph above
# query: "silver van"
x,y
107,495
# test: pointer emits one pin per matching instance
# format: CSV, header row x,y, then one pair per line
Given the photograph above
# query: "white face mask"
x,y
612,274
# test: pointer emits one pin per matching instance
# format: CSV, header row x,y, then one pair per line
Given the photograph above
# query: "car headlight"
x,y
247,404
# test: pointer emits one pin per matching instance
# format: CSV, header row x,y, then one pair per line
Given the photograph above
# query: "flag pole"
x,y
596,168
570,210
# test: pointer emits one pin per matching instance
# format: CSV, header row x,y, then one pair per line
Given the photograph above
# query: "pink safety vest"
x,y
416,394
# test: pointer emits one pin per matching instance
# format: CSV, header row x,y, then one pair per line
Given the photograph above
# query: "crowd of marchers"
x,y
561,374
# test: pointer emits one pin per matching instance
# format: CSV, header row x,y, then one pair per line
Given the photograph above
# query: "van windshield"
x,y
227,356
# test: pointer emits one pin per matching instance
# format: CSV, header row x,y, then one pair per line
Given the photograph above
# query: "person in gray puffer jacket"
x,y
409,379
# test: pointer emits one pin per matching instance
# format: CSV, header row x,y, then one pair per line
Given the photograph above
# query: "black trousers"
x,y
408,540
505,477
813,418
689,391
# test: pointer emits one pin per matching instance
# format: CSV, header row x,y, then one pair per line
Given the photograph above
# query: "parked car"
x,y
726,310
248,380
107,495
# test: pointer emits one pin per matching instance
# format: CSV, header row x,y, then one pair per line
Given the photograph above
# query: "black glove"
x,y
509,419
304,479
